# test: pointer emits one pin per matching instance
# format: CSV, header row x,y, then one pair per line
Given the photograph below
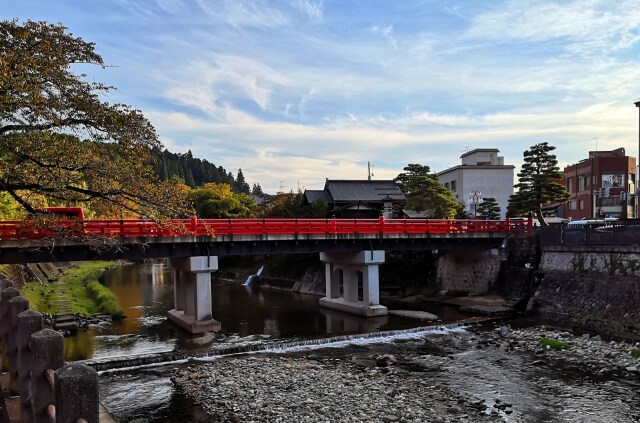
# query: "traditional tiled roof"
x,y
365,190
317,194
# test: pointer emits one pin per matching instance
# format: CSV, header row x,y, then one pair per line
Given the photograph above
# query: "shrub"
x,y
635,352
554,344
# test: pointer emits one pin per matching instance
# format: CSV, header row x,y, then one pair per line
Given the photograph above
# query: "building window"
x,y
570,184
446,185
453,186
572,205
586,181
581,204
582,182
594,179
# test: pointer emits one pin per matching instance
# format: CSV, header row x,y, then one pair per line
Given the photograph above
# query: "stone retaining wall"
x,y
593,290
473,272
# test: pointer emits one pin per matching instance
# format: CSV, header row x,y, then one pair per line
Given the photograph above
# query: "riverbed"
x,y
473,374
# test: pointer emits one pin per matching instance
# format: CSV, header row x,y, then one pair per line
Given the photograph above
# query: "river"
x,y
145,291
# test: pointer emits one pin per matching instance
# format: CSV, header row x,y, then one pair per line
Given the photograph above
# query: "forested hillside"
x,y
196,172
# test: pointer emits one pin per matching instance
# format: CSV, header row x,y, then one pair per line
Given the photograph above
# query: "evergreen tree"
x,y
257,190
537,184
425,193
488,209
241,185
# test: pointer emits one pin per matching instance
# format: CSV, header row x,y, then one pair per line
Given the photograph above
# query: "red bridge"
x,y
116,228
351,249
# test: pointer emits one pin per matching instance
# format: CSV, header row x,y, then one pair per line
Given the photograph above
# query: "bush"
x,y
105,299
554,344
635,352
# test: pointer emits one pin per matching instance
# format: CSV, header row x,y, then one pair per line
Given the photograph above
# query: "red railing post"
x,y
530,223
507,225
381,224
193,222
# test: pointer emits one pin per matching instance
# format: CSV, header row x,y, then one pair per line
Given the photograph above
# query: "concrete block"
x,y
47,349
352,307
192,325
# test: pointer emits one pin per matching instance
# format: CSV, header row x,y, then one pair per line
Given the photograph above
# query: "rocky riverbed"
x,y
482,374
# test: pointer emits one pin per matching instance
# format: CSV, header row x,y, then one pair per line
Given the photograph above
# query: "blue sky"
x,y
300,90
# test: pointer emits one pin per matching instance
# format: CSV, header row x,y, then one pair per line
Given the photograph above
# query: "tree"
x,y
286,204
59,139
219,201
256,190
488,209
241,185
425,193
537,184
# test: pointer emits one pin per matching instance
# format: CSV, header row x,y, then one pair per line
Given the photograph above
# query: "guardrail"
x,y
49,391
105,228
624,232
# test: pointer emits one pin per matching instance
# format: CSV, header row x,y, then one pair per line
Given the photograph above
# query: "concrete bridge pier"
x,y
353,282
192,293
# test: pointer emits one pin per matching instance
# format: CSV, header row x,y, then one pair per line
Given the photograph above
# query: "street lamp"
x,y
475,198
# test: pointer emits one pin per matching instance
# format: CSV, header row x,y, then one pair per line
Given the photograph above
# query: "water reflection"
x,y
145,292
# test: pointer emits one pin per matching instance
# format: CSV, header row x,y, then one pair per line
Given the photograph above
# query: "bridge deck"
x,y
138,239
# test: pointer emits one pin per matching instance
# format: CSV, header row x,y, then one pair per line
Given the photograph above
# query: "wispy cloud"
x,y
313,9
304,89
584,26
386,32
239,14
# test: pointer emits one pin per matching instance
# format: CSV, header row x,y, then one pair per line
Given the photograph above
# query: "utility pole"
x,y
369,166
596,140
637,103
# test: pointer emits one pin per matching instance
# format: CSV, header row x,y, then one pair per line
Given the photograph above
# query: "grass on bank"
x,y
554,344
80,286
635,353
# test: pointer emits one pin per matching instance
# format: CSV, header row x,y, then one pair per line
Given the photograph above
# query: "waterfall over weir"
x,y
127,363
251,277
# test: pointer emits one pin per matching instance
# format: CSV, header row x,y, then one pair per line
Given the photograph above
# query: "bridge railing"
x,y
122,228
620,233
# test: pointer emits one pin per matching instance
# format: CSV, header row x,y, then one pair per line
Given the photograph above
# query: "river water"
x,y
145,291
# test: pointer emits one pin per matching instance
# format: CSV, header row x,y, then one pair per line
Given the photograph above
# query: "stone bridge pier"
x,y
192,293
353,282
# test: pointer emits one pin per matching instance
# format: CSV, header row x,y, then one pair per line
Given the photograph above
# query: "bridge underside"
x,y
25,251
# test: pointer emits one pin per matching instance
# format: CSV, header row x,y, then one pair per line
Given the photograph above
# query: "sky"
x,y
296,91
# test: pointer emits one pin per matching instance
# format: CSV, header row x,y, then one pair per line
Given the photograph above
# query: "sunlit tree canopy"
x,y
61,141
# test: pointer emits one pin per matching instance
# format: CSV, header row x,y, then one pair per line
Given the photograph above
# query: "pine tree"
x,y
257,190
425,193
537,184
488,209
241,185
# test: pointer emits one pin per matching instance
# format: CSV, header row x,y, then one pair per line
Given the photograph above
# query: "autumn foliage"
x,y
62,142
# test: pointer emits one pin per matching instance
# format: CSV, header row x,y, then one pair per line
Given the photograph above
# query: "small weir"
x,y
127,363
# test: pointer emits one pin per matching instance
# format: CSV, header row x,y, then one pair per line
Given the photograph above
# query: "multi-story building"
x,y
601,185
482,174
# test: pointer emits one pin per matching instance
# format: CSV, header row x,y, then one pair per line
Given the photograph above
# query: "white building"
x,y
482,171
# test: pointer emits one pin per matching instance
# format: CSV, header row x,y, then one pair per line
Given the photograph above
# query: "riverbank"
x,y
495,374
75,290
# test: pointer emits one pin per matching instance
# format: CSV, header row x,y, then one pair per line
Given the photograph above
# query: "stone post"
x,y
29,322
16,306
5,296
76,393
47,349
